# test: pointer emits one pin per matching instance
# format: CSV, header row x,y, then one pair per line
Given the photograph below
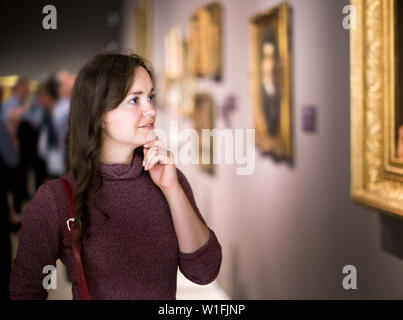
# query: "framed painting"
x,y
179,84
270,69
142,18
376,105
203,119
205,42
173,72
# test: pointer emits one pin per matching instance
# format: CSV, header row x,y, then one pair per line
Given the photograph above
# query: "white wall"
x,y
287,232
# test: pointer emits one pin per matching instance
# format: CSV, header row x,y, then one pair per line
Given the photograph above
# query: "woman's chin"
x,y
149,135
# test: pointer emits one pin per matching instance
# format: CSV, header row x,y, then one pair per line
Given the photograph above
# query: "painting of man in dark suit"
x,y
270,82
270,91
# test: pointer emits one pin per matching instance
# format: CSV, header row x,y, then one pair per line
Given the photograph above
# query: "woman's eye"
x,y
134,101
152,97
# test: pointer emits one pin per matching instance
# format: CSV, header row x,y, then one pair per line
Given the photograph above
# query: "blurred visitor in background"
x,y
9,158
32,135
54,98
12,118
18,97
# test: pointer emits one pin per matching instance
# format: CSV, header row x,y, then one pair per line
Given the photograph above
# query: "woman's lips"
x,y
148,127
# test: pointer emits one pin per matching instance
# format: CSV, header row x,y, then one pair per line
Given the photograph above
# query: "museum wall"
x,y
287,231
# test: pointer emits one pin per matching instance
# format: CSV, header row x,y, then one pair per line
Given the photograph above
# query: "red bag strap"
x,y
85,294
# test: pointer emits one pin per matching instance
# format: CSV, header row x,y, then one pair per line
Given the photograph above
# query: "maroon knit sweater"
x,y
132,255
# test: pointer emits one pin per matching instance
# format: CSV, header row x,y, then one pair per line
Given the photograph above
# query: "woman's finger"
x,y
145,155
150,154
156,141
153,161
165,158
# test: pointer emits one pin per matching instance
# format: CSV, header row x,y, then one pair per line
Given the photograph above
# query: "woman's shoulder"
x,y
50,196
54,187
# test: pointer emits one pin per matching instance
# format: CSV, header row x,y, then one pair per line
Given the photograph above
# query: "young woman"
x,y
136,217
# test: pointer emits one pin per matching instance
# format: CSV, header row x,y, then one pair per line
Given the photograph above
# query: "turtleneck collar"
x,y
120,171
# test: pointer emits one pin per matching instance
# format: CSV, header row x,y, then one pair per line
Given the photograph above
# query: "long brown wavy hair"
x,y
100,86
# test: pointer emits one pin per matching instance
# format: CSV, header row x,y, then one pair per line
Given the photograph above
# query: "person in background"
x,y
18,98
15,108
54,97
9,158
66,83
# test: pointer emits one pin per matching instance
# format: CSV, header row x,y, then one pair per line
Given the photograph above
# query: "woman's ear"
x,y
103,123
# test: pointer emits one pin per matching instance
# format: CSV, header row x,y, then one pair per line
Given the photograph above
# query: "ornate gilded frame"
x,y
376,175
264,142
205,42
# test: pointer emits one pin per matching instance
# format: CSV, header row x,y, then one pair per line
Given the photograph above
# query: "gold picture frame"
x,y
203,119
205,48
270,81
142,28
376,175
178,82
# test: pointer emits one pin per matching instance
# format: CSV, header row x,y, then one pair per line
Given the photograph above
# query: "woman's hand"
x,y
160,163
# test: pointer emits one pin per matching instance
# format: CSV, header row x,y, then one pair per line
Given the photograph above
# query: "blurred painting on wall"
x,y
376,105
179,84
142,14
205,42
270,81
203,119
173,72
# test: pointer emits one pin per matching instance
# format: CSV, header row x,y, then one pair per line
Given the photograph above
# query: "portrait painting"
x,y
270,82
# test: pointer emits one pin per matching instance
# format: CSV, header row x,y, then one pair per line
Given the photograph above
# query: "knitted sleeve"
x,y
203,265
39,245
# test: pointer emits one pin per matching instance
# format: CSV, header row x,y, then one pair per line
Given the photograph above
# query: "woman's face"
x,y
125,124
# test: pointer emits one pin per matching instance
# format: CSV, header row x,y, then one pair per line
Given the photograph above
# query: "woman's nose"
x,y
150,110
